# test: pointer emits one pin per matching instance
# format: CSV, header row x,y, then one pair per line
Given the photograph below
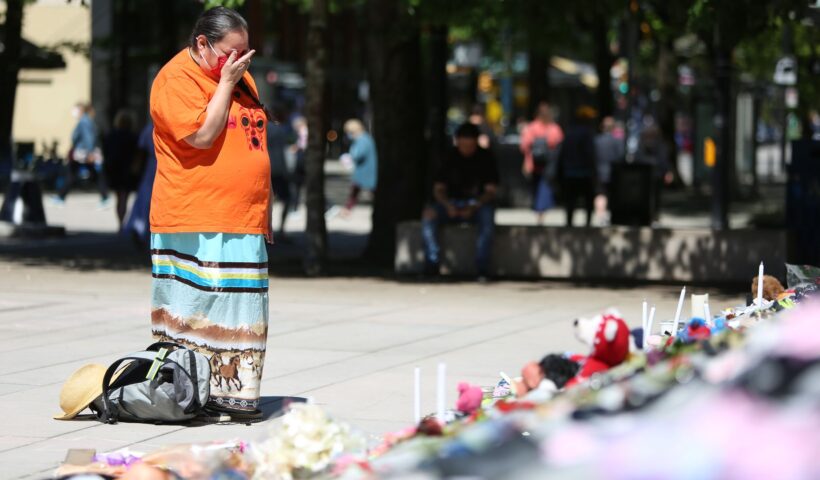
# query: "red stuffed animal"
x,y
608,335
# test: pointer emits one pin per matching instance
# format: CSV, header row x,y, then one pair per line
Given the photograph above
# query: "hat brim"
x,y
82,406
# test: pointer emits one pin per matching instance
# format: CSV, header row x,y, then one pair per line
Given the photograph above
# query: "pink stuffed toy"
x,y
608,335
469,398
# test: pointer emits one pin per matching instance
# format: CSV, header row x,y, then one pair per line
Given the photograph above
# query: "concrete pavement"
x,y
350,344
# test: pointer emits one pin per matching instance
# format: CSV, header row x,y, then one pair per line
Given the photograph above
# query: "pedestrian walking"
x,y
121,165
540,143
577,164
608,151
84,159
362,155
652,151
210,209
278,137
138,221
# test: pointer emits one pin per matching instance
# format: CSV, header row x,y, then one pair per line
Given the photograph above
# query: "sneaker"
x,y
333,212
431,270
57,200
105,204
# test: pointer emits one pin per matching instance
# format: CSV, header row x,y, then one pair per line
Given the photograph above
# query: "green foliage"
x,y
223,3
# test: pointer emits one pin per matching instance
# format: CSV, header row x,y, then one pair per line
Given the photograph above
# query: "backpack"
x,y
544,157
542,153
165,383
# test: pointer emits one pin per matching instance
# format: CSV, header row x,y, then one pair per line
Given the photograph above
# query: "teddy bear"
x,y
608,336
469,398
772,288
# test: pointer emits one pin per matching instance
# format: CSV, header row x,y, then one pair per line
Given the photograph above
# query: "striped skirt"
x,y
210,293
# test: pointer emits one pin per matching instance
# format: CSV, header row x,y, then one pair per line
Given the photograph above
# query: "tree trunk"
x,y
725,148
437,96
537,76
398,123
316,232
667,85
9,68
603,64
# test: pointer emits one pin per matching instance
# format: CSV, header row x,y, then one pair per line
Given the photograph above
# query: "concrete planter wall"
x,y
653,254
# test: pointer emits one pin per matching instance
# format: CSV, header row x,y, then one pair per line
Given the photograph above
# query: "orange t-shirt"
x,y
222,189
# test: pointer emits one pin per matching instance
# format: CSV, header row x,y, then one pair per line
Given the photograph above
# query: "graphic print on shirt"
x,y
253,123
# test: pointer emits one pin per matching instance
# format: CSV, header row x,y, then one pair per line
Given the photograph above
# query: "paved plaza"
x,y
349,344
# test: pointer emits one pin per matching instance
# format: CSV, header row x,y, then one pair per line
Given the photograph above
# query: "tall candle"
x,y
760,286
441,395
417,395
678,312
643,322
649,322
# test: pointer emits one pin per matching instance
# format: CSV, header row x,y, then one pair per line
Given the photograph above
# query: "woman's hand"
x,y
234,68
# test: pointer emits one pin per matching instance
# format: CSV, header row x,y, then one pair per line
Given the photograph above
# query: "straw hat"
x,y
81,388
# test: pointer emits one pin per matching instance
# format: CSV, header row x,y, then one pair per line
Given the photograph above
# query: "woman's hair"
x,y
353,127
216,23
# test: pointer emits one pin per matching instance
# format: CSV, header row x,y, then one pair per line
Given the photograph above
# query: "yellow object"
x,y
485,82
709,152
81,388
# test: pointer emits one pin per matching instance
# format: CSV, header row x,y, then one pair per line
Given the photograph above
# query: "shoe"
x,y
105,204
57,200
431,270
332,212
483,278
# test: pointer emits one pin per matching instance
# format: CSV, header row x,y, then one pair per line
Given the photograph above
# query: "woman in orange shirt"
x,y
209,209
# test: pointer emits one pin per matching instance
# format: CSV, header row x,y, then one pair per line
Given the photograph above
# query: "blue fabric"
x,y
484,218
543,198
84,136
138,223
365,161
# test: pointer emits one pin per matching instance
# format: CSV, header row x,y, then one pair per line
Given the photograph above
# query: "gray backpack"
x,y
165,383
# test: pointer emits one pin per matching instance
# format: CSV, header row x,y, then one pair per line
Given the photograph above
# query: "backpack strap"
x,y
195,405
110,413
154,347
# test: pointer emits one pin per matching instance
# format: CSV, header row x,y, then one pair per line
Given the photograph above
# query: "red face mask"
x,y
220,62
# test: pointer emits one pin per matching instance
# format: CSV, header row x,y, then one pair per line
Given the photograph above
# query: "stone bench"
x,y
609,253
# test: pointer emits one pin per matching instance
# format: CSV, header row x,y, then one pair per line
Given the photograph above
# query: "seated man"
x,y
464,190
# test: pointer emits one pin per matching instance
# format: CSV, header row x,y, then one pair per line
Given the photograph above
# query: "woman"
x,y
540,143
138,221
121,165
362,155
209,210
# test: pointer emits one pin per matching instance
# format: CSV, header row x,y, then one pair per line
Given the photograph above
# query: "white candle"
x,y
649,323
643,322
417,395
760,286
441,395
678,312
707,314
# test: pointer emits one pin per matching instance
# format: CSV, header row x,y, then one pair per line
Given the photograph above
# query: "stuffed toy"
x,y
608,336
469,398
772,288
695,330
545,377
